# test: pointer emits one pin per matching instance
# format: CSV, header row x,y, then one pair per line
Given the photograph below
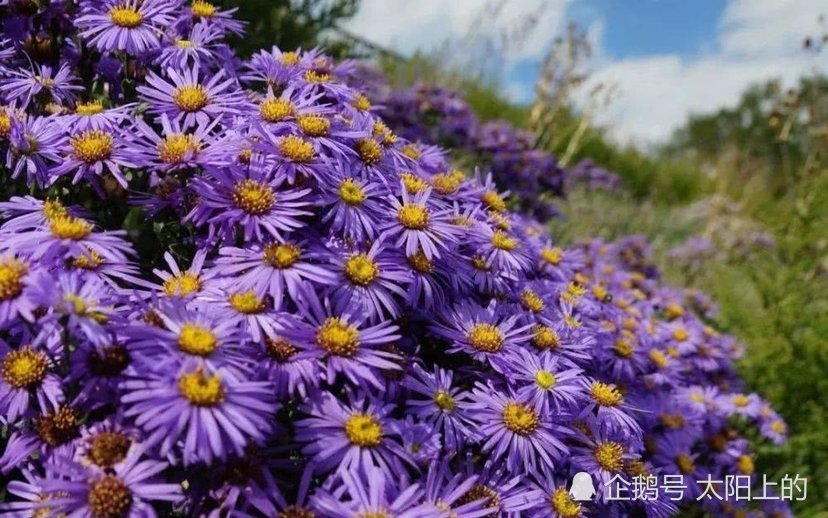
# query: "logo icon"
x,y
582,489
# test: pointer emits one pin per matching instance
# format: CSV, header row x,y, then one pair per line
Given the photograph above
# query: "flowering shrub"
x,y
344,325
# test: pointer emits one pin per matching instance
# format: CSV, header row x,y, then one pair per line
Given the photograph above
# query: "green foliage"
x,y
292,23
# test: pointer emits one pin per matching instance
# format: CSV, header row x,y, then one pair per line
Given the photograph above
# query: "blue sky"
x,y
643,27
665,59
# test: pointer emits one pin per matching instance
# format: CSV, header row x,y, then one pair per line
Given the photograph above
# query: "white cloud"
x,y
407,26
757,40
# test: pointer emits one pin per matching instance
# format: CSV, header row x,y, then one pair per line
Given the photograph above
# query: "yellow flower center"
x,y
520,418
413,216
545,379
609,456
201,390
109,498
196,340
108,448
420,262
413,184
296,149
362,103
363,430
90,108
486,338
351,192
552,256
58,428
480,264
605,394
281,255
5,123
544,337
531,301
202,9
184,44
685,463
564,504
480,492
247,302
67,227
369,151
740,400
275,109
501,241
361,270
191,98
680,334
12,272
290,58
779,427
89,261
658,358
411,152
674,311
337,337
182,285
314,126
493,200
444,401
445,184
253,197
317,76
24,368
92,146
373,514
280,349
175,147
125,16
672,421
623,348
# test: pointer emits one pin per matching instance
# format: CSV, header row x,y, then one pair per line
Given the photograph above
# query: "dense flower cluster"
x,y
347,326
434,114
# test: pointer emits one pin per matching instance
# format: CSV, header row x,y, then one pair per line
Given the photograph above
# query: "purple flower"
x,y
33,147
190,98
357,435
342,342
510,427
26,376
132,26
214,412
24,85
418,226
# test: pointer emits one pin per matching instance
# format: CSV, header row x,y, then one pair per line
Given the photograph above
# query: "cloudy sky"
x,y
666,58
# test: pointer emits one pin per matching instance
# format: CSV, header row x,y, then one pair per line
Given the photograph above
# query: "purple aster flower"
x,y
484,333
197,47
98,371
370,281
603,454
552,385
206,12
353,208
185,333
189,283
15,279
509,426
417,226
33,148
244,309
91,154
448,492
356,435
131,26
93,115
609,407
26,376
127,490
371,492
212,413
23,86
190,98
282,270
342,341
250,202
445,407
175,148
